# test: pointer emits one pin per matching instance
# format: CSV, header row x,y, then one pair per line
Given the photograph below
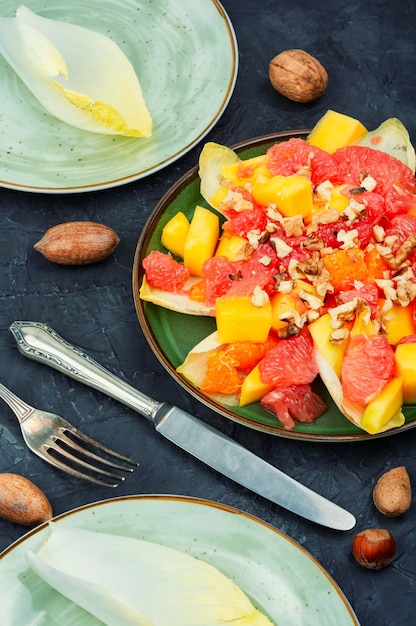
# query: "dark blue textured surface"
x,y
368,49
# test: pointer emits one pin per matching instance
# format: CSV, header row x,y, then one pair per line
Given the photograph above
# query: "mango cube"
x,y
337,199
244,171
363,323
382,409
405,356
201,240
397,322
218,197
230,246
292,195
174,234
284,303
333,352
253,388
335,130
238,319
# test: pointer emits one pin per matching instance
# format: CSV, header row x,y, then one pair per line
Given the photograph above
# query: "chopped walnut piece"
x,y
343,313
349,238
312,315
244,253
338,336
387,286
379,233
313,302
399,260
281,247
369,183
293,226
259,297
313,242
286,286
235,200
406,292
323,190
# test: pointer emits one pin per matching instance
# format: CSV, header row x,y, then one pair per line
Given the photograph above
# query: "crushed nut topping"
x,y
281,247
259,297
343,313
349,238
338,336
313,302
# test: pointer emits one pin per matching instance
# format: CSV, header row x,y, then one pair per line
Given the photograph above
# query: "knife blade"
x,y
41,343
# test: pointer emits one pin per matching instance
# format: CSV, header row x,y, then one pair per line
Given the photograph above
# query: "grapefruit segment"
x,y
297,403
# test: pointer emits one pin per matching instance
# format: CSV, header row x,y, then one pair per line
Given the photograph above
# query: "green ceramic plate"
x,y
171,335
280,577
174,47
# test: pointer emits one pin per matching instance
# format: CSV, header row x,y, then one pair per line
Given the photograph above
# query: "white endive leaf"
x,y
393,138
78,75
352,411
179,302
124,581
195,366
212,159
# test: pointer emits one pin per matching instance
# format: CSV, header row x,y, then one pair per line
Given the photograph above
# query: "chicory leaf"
x,y
80,76
125,581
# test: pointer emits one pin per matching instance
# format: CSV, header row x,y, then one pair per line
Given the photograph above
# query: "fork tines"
x,y
72,452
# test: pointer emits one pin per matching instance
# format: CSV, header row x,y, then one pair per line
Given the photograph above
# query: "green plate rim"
x,y
345,431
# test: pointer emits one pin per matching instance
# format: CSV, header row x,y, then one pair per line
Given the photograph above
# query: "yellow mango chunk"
x,y
383,408
246,171
238,319
405,356
230,246
253,388
174,234
397,322
283,303
321,331
363,324
201,240
337,199
335,130
218,197
292,195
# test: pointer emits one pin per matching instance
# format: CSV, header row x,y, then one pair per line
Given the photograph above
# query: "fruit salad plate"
x,y
174,48
280,577
171,335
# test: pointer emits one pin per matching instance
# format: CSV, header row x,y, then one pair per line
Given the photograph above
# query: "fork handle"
x,y
41,343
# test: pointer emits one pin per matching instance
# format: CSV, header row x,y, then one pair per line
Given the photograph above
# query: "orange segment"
x,y
376,265
221,375
346,266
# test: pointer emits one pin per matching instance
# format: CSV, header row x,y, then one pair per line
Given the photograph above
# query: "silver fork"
x,y
59,443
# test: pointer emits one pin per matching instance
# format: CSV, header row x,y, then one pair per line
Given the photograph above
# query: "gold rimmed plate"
x,y
174,48
281,578
172,335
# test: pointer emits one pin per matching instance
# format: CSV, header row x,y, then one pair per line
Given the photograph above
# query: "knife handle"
x,y
41,343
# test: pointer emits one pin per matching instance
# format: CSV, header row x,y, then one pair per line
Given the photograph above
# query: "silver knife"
x,y
41,343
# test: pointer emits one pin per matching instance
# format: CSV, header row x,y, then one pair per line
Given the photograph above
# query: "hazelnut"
x,y
392,494
374,548
298,76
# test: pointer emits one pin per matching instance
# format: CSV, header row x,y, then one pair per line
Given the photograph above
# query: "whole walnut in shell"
x,y
298,76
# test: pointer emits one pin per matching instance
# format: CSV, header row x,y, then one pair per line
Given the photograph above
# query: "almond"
x,y
22,502
392,494
77,243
